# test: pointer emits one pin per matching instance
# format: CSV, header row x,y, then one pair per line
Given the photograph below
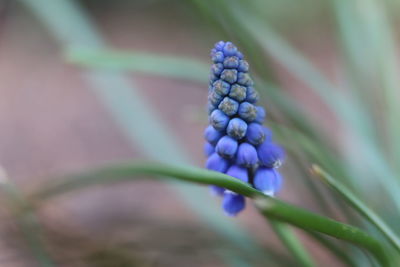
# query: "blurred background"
x,y
93,81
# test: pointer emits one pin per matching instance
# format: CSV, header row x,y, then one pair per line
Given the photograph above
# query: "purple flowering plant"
x,y
237,143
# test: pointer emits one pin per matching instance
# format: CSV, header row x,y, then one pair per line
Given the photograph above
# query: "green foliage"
x,y
363,165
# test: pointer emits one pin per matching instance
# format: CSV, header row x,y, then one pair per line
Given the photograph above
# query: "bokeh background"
x,y
88,82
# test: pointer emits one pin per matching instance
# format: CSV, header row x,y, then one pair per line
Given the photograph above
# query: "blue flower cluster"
x,y
237,143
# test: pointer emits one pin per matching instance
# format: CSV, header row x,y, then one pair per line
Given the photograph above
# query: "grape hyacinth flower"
x,y
237,143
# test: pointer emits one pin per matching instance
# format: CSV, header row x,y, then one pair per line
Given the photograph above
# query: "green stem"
x,y
292,243
270,207
358,205
128,171
279,210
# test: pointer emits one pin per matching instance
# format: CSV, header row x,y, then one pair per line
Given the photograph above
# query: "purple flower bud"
x,y
236,128
217,68
233,203
229,106
231,62
243,78
270,154
238,92
268,181
247,111
239,54
229,49
219,120
219,45
246,155
218,57
217,191
252,95
212,135
229,75
210,108
214,98
213,77
217,163
255,134
243,66
239,173
221,88
226,147
260,115
208,149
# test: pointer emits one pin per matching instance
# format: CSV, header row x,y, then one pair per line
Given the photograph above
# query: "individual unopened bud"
x,y
229,75
219,45
255,134
217,68
270,155
217,163
239,173
238,92
218,57
221,88
260,115
231,62
213,77
243,66
214,98
246,155
219,120
229,49
210,108
247,111
251,95
226,147
243,78
229,106
268,181
208,149
236,128
232,204
212,135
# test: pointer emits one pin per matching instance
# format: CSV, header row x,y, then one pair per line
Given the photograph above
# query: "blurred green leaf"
x,y
358,205
279,210
155,64
292,243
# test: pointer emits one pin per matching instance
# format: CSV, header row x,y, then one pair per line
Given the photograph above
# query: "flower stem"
x,y
270,207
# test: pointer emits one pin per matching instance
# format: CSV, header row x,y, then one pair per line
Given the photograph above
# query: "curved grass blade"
x,y
132,170
292,243
279,210
270,207
158,64
359,206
